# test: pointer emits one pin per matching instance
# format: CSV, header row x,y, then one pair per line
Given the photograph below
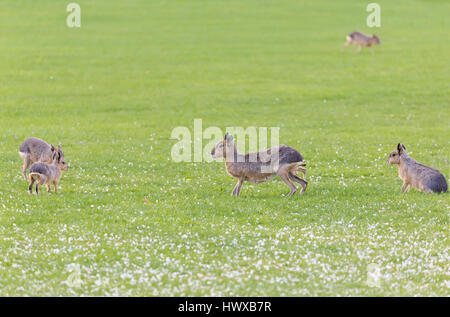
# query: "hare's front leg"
x,y
405,187
237,188
297,179
30,186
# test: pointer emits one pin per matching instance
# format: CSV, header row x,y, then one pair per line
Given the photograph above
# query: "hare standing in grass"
x,y
258,167
49,174
360,40
422,177
36,150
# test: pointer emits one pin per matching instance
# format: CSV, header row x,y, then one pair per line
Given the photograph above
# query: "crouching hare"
x,y
49,174
258,167
36,150
422,177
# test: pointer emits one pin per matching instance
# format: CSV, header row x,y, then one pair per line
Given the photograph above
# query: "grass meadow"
x,y
129,221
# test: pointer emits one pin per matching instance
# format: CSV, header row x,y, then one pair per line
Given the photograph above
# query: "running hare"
x,y
360,40
258,167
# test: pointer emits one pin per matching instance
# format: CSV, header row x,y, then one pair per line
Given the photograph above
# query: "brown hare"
x,y
422,177
360,40
36,150
258,167
49,174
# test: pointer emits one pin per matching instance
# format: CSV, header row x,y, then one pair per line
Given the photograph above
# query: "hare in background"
x,y
360,40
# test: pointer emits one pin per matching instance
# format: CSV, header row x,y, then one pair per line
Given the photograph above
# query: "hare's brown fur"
x,y
258,167
360,39
414,174
45,173
36,150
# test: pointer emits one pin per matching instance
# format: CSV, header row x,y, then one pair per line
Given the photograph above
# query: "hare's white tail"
x,y
35,176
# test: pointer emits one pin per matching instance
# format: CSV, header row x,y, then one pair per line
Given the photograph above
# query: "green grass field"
x,y
130,221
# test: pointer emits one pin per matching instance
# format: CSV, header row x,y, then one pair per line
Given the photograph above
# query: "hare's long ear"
x,y
60,145
52,148
226,136
400,148
54,156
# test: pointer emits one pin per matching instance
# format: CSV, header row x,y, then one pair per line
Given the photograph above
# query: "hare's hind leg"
x,y
40,183
301,169
283,172
26,164
300,181
347,43
30,186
